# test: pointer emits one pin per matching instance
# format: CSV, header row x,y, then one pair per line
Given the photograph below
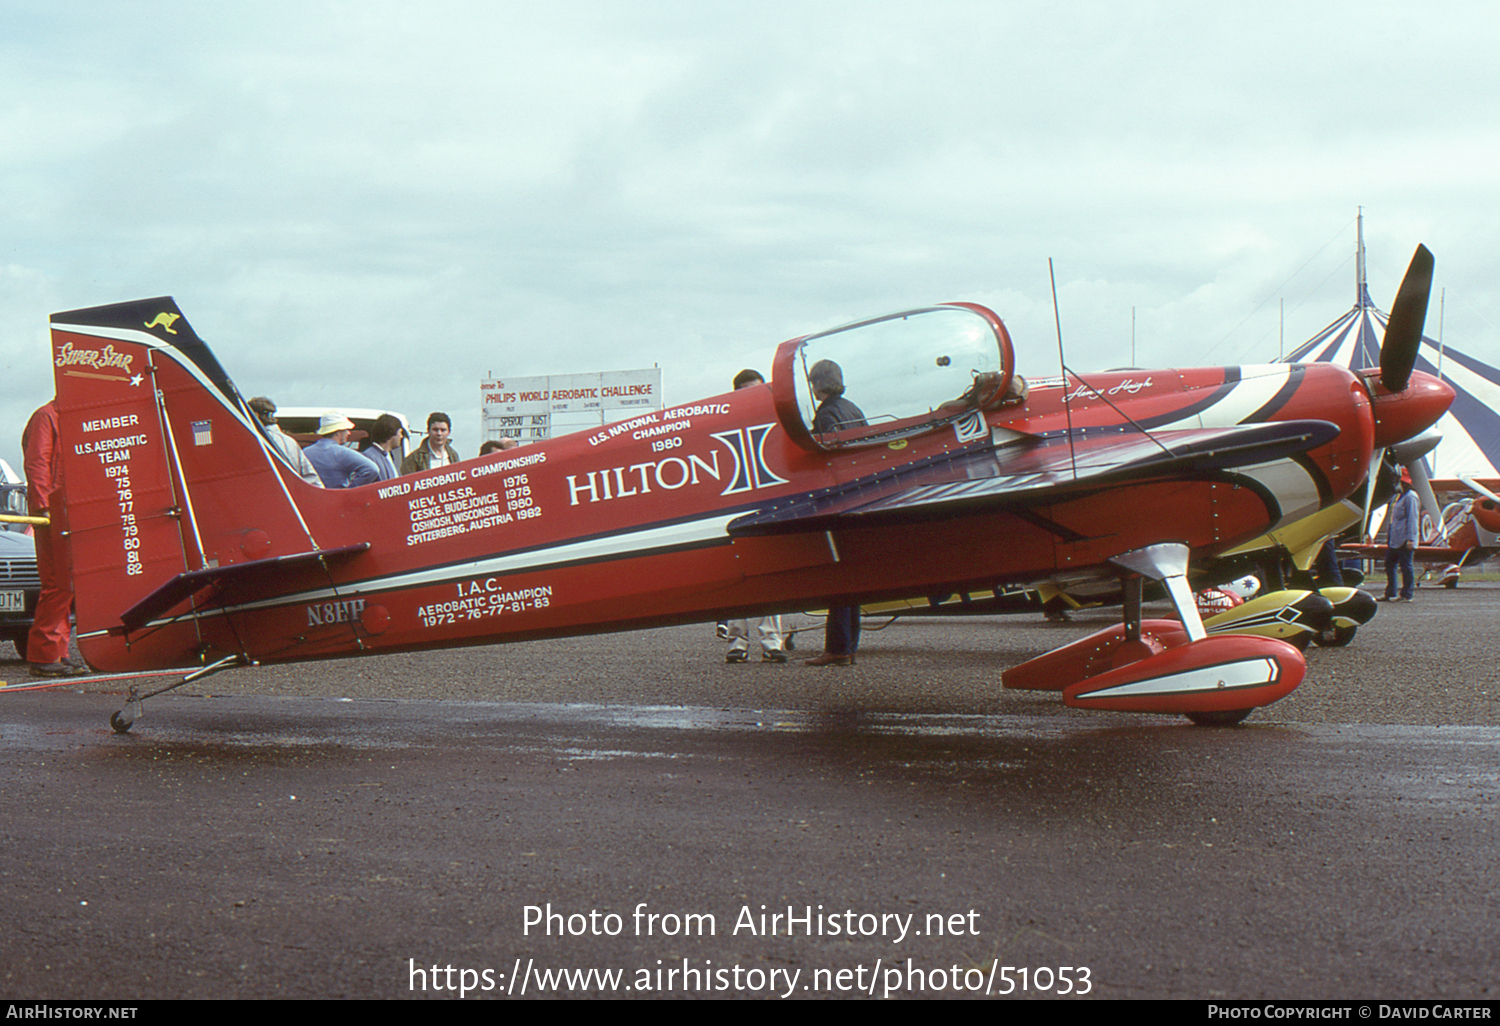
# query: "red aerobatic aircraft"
x,y
194,545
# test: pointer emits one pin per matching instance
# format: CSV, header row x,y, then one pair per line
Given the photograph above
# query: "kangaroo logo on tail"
x,y
164,320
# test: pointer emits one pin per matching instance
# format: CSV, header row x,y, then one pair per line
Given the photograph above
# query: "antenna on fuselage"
x,y
1062,366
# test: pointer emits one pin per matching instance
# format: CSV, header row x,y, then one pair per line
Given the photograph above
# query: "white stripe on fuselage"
x,y
1295,489
1258,385
704,531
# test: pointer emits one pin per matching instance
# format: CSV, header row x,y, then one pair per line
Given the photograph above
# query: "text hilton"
x,y
619,482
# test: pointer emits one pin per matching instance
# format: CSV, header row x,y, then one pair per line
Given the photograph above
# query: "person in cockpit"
x,y
835,413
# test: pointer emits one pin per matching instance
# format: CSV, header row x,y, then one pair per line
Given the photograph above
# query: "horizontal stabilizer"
x,y
234,575
1045,471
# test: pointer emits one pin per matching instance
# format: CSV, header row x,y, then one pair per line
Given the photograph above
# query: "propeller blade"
x,y
1403,331
1481,489
1422,484
1364,526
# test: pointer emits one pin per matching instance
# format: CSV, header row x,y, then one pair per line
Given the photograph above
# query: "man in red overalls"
x,y
47,645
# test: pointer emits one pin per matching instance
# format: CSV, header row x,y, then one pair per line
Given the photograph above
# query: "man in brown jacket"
x,y
434,452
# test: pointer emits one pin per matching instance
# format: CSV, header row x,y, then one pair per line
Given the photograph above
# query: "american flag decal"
x,y
203,432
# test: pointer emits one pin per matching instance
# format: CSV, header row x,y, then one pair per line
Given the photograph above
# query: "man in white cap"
x,y
337,465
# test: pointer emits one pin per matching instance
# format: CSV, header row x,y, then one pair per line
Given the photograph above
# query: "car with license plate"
x,y
19,583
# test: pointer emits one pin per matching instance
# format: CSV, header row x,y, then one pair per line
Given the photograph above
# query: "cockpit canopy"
x,y
902,374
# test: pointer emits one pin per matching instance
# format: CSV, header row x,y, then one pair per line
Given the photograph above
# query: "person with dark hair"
x,y
434,452
737,632
265,411
497,445
385,434
835,413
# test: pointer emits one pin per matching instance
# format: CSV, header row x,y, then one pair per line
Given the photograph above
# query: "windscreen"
x,y
898,374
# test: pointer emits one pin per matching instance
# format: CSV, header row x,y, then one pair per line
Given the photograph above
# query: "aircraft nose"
x,y
1401,415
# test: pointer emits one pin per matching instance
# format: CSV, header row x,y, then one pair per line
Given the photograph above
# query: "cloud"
x,y
380,203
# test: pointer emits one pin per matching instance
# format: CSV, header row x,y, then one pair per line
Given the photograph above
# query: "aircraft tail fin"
x,y
166,472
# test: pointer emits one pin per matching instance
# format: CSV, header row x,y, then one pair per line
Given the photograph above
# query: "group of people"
x,y
327,463
330,463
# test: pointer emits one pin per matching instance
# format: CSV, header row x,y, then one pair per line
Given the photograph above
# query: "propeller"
x,y
1403,330
1398,357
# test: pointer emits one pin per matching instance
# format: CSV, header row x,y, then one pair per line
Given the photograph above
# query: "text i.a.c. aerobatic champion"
x,y
195,545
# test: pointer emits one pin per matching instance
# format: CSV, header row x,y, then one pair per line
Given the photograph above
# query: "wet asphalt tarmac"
x,y
387,827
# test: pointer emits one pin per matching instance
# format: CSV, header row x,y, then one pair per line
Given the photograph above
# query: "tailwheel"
x,y
1219,718
122,720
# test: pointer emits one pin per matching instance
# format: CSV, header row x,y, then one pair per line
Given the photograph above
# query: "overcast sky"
x,y
379,204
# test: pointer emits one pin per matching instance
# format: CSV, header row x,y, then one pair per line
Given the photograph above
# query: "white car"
x,y
301,422
19,583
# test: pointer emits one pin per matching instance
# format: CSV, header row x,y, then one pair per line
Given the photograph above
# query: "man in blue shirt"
x,y
385,434
1401,542
337,465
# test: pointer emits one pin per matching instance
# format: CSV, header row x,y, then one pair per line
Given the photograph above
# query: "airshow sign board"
x,y
531,408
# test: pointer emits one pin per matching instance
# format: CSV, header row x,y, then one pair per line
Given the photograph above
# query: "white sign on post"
x,y
535,408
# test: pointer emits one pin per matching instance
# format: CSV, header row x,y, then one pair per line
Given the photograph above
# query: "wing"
x,y
1031,470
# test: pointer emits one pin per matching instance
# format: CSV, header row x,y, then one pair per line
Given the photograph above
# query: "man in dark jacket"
x,y
835,413
434,452
385,434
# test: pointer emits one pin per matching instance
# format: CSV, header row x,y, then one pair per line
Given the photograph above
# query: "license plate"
x,y
12,602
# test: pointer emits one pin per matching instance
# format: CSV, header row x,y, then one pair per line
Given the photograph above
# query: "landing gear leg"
x,y
122,720
1167,564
